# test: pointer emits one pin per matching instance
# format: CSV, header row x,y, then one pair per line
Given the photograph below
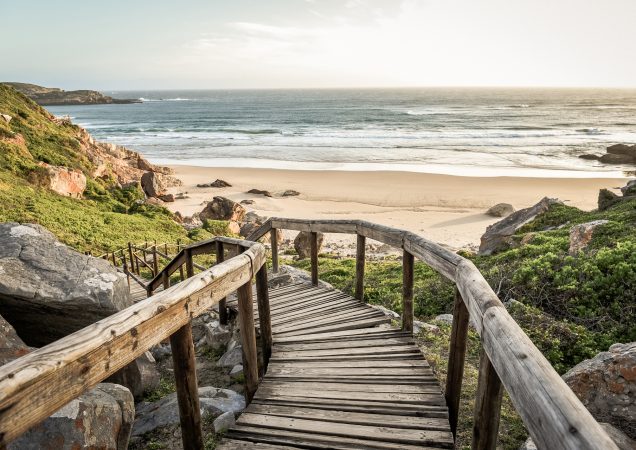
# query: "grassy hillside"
x,y
107,218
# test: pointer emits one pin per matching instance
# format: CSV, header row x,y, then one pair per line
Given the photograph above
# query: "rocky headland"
x,y
55,97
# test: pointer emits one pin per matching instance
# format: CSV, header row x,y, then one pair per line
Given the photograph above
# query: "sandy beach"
x,y
446,209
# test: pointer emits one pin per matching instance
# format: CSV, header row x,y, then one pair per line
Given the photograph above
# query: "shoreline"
x,y
448,209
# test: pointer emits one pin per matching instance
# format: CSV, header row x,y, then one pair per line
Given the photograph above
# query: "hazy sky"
x,y
150,44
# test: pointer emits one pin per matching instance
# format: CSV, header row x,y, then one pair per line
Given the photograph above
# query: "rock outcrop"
x,y
260,192
615,154
222,208
64,181
302,244
498,235
48,290
290,193
99,419
581,235
218,183
606,384
152,185
55,96
165,412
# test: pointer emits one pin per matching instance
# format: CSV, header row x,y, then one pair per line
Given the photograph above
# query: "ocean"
x,y
463,131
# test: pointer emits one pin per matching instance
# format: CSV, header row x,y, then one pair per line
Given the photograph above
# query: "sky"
x,y
225,44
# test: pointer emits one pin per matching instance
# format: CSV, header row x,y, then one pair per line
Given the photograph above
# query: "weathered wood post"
x,y
155,261
264,318
273,237
407,291
360,256
456,358
130,256
114,260
126,272
181,274
185,375
248,340
313,244
487,406
220,257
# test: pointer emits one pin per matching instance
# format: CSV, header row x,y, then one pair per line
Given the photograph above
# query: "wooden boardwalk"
x,y
340,377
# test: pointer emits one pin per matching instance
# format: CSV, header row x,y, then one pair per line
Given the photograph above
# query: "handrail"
x,y
39,383
553,414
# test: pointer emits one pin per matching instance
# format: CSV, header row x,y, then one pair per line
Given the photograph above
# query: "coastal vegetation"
x,y
106,218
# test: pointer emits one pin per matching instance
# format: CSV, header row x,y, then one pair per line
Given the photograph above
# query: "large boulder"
x,y
11,346
302,244
607,199
152,184
64,181
606,384
581,235
165,412
499,235
99,419
48,290
222,208
629,188
140,376
288,275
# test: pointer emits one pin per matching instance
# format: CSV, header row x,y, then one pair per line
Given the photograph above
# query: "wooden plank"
x,y
266,393
315,441
353,371
354,387
338,327
399,409
372,363
380,420
370,433
456,358
360,261
360,343
233,444
358,333
380,350
274,244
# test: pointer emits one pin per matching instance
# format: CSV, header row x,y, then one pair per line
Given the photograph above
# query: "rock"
x,y
154,201
247,202
181,196
64,290
500,210
581,235
606,384
100,418
192,222
303,246
387,312
223,422
290,275
498,235
445,318
606,199
231,358
236,372
64,181
260,192
139,377
617,159
160,352
220,184
622,441
221,208
11,346
165,412
253,216
152,185
217,336
168,198
6,117
290,193
419,326
589,156
233,227
629,188
622,149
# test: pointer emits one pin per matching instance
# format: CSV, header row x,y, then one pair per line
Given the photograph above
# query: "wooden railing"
x,y
552,413
36,385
